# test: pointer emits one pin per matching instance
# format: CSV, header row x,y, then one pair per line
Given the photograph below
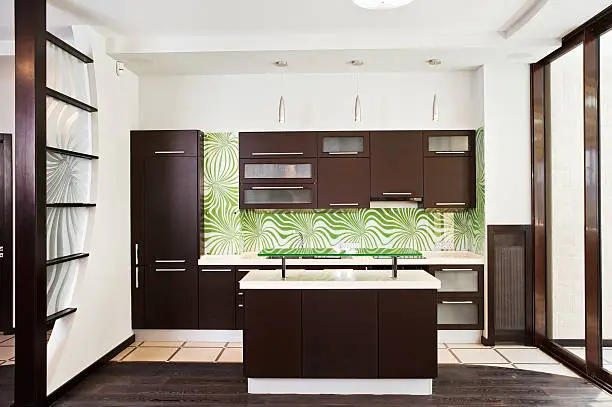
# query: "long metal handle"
x,y
343,153
240,305
344,204
241,294
451,203
397,193
170,270
169,261
170,152
457,302
450,152
216,270
137,276
279,153
283,188
136,257
457,269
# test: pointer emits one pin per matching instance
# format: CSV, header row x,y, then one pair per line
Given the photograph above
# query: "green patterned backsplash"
x,y
228,230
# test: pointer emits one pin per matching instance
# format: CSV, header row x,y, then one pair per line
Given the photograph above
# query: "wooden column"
x,y
30,199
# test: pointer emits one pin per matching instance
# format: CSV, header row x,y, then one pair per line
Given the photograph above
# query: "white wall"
x,y
507,144
7,94
102,291
313,101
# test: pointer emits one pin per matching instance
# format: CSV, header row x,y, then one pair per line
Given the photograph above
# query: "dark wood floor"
x,y
190,385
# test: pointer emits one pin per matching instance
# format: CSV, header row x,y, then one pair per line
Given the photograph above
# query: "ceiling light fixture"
x,y
281,103
381,4
357,112
434,62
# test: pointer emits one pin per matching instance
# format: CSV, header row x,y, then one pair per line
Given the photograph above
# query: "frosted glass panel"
x,y
68,179
68,127
60,285
458,281
66,74
66,231
566,289
260,171
457,144
277,196
343,145
457,314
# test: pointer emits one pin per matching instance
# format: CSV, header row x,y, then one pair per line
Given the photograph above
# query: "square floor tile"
x,y
442,346
9,363
231,355
607,355
234,345
123,354
8,342
7,353
527,356
479,356
580,352
137,343
206,355
608,368
545,368
150,354
514,347
204,344
506,365
445,357
162,344
467,346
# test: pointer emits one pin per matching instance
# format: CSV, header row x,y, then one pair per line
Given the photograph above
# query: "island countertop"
x,y
339,280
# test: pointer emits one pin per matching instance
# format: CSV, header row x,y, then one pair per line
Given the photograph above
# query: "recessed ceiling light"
x,y
434,62
281,63
381,4
356,62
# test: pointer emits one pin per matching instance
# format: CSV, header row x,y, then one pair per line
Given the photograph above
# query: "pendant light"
x,y
357,109
436,111
381,4
281,103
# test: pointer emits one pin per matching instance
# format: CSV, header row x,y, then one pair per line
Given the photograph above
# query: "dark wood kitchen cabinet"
x,y
449,182
396,160
165,235
344,183
337,325
344,144
216,293
278,145
449,143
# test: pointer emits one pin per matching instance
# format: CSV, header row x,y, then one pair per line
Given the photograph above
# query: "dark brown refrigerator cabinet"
x,y
165,248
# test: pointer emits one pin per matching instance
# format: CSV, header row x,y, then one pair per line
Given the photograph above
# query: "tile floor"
x,y
206,352
7,350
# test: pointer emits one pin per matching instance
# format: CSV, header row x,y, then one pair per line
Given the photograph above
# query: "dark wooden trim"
x,y
598,24
538,197
577,343
71,205
6,235
59,315
567,46
68,48
65,259
592,226
71,153
30,198
70,100
70,384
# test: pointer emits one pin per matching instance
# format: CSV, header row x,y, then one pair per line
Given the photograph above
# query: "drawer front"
x,y
278,171
273,196
458,314
278,145
344,144
460,279
449,143
165,143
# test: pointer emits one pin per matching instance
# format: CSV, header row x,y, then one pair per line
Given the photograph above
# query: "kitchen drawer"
x,y
459,279
274,196
344,144
278,145
459,314
278,171
160,143
448,143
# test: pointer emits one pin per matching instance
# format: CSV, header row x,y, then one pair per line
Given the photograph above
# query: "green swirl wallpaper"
x,y
228,230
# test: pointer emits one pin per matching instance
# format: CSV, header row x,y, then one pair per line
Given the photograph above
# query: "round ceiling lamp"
x,y
381,4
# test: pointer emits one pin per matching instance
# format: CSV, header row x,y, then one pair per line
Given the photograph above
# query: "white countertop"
x,y
430,259
339,280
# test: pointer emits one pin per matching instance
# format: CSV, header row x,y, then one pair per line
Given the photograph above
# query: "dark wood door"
x,y
278,145
239,305
407,316
171,239
273,333
165,143
6,233
337,325
216,298
396,160
344,183
344,144
450,182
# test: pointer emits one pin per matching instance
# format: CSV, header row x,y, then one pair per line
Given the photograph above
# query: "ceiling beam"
x,y
523,17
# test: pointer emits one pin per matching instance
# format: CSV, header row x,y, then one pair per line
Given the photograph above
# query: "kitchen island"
x,y
340,332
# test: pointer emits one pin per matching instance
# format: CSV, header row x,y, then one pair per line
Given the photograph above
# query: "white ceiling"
x,y
246,36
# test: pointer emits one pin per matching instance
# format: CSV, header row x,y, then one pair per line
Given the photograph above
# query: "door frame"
x,y
6,234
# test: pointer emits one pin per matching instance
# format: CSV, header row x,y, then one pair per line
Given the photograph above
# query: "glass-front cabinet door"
x,y
274,196
279,171
344,144
448,143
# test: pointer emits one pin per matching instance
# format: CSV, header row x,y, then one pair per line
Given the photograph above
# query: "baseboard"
x,y
579,343
188,335
486,341
459,336
63,389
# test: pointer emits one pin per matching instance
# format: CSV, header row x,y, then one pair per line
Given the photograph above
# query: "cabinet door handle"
x,y
173,270
344,204
457,302
450,152
170,152
277,153
457,270
397,193
344,153
450,204
137,276
216,270
240,294
240,305
169,261
136,257
266,188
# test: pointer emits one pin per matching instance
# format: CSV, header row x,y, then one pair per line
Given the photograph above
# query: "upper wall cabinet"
x,y
278,145
396,160
450,182
165,143
344,183
279,171
448,143
344,144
